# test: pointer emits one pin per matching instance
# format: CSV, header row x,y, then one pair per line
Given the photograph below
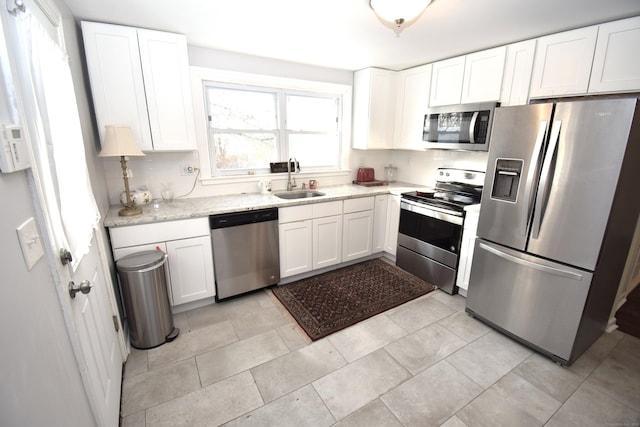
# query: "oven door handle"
x,y
431,212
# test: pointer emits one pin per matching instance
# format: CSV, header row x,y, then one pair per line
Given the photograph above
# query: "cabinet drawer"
x,y
295,213
327,209
360,204
158,232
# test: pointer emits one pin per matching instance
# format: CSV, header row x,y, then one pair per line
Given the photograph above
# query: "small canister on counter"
x,y
313,184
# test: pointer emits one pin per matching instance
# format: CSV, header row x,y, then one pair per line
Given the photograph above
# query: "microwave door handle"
x,y
531,175
472,128
545,180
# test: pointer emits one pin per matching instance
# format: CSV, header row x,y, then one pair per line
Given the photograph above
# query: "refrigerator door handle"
x,y
545,180
531,175
472,128
524,262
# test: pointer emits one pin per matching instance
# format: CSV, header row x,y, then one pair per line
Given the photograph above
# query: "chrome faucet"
x,y
291,185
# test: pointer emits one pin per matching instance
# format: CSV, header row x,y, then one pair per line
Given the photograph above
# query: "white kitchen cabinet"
x,y
517,73
411,106
295,247
140,78
327,241
187,243
483,75
616,63
327,234
392,224
472,78
466,249
379,223
562,63
446,82
357,228
373,119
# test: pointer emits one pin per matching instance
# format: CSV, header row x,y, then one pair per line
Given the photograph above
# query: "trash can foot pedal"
x,y
173,335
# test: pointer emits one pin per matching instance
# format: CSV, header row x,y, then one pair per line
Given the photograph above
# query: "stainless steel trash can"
x,y
144,290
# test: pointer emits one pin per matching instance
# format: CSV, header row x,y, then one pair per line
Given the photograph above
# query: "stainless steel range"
x,y
431,226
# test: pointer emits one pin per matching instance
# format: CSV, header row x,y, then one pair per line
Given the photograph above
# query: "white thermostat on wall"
x,y
14,153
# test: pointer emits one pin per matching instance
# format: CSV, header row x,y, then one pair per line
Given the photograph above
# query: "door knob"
x,y
84,287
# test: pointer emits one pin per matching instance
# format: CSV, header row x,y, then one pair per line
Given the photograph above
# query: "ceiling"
x,y
346,34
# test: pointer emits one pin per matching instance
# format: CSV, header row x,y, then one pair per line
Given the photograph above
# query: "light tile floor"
x,y
245,362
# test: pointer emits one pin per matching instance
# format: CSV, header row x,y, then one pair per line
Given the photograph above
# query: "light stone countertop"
x,y
198,207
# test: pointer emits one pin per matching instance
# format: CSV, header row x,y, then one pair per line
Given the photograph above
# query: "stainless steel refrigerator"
x,y
559,208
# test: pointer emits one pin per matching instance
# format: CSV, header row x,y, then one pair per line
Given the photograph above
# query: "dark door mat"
x,y
332,301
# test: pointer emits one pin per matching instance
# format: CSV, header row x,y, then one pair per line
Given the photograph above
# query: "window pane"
x,y
241,109
315,150
311,113
244,150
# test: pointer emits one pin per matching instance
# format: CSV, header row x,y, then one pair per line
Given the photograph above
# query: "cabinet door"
x,y
393,223
115,74
327,241
374,92
483,75
562,65
411,106
616,63
191,269
165,67
446,82
517,73
379,223
357,235
295,248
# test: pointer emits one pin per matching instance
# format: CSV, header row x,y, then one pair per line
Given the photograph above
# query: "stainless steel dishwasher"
x,y
246,252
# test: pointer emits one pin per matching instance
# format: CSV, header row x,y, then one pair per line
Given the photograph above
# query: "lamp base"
x,y
130,211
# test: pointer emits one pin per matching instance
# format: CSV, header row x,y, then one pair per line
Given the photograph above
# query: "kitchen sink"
x,y
299,194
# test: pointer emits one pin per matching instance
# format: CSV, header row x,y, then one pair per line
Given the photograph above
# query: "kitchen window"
x,y
251,126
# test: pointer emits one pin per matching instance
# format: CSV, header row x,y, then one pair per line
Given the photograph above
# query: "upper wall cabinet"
x,y
517,73
140,78
412,104
562,64
374,96
616,63
472,78
483,75
446,82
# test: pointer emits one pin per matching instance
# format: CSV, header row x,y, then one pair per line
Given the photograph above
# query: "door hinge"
x,y
116,324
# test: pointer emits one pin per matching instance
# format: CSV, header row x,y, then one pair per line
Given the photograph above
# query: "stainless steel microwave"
x,y
459,127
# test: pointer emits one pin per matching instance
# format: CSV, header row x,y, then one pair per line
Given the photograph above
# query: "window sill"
x,y
238,179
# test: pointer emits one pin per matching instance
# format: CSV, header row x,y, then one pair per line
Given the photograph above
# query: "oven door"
x,y
429,242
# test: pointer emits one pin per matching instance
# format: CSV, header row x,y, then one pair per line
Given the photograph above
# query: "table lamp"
x,y
118,141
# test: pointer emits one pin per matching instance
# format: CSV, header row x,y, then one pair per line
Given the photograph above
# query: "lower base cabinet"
x,y
189,267
295,247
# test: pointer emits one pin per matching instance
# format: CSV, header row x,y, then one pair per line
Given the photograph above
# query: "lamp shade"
x,y
398,11
118,141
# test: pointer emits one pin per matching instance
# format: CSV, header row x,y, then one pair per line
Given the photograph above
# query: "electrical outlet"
x,y
188,169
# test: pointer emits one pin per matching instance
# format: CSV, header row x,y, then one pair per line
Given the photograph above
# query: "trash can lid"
x,y
140,260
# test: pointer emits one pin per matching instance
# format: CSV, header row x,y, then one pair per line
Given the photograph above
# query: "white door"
x,y
95,325
35,47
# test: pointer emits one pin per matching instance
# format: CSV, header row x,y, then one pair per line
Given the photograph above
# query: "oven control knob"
x,y
453,248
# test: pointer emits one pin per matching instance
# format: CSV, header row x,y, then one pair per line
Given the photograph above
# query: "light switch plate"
x,y
30,242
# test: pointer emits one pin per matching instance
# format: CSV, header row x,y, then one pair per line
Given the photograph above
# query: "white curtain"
x,y
56,137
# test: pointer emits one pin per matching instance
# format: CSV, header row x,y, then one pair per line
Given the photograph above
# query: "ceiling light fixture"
x,y
398,12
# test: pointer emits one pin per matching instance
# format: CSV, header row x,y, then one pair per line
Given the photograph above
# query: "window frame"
x,y
200,76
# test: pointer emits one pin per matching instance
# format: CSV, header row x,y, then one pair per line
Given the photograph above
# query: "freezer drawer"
x,y
538,301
